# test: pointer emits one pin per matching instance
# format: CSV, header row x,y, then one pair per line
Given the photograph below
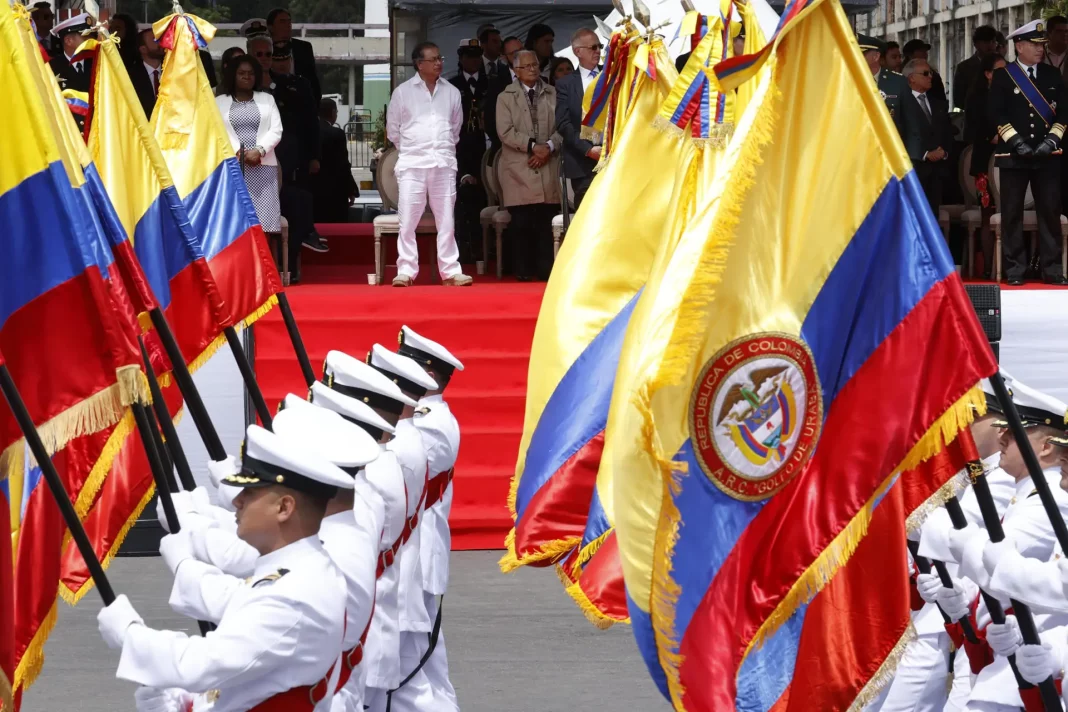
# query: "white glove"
x,y
155,699
115,619
1004,638
201,500
225,496
1036,662
958,539
220,469
176,548
993,553
928,586
954,601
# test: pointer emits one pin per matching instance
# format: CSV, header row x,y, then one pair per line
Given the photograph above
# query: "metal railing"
x,y
360,134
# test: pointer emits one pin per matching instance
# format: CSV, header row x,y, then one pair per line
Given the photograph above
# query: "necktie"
x,y
79,67
1031,73
155,81
926,107
530,96
491,69
473,83
594,72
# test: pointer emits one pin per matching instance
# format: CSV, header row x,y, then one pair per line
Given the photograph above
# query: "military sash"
x,y
1031,93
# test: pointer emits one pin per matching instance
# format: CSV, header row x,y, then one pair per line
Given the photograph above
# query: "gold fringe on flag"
x,y
885,674
6,701
592,613
942,495
32,660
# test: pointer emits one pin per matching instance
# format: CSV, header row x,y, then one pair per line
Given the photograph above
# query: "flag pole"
x,y
294,336
182,377
170,434
943,574
249,377
1051,699
1034,468
55,484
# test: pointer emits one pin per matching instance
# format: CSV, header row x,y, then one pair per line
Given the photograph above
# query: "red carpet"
x,y
488,326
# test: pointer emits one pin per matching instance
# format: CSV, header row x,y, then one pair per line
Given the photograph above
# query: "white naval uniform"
x,y
277,631
1028,529
425,128
441,438
414,621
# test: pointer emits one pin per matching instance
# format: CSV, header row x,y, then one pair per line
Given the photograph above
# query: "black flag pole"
x,y
1051,699
55,484
943,574
298,342
170,433
249,377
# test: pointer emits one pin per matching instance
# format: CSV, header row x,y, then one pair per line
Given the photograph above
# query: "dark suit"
x,y
923,134
963,78
143,85
304,65
577,166
209,66
68,76
470,198
937,92
334,183
681,61
1015,116
493,90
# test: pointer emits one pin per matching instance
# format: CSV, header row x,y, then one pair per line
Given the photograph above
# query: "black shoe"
x,y
523,278
1057,281
1014,281
316,243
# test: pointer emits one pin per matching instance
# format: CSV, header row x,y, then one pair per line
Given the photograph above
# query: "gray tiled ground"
x,y
516,644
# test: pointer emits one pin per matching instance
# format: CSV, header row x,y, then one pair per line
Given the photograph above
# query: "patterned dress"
x,y
262,180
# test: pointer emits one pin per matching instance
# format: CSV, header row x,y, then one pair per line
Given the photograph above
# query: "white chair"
x,y
493,190
1030,221
558,220
501,218
390,224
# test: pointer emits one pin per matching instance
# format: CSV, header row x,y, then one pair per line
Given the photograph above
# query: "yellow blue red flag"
x,y
781,330
190,132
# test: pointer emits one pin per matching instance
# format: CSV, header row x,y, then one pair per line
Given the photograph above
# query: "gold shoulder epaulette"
x,y
422,411
271,578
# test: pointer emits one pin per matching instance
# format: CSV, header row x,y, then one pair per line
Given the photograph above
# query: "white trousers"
x,y
416,187
962,683
437,666
920,682
415,695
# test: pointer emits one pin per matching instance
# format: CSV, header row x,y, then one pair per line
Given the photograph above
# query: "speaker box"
x,y
986,300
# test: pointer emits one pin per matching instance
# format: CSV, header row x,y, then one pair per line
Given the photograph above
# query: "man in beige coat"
x,y
529,168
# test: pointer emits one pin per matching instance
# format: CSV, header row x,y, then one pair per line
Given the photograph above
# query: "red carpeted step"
x,y
488,326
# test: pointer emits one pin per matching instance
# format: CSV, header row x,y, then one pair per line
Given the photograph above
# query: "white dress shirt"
x,y
441,438
276,632
589,76
408,446
153,73
425,126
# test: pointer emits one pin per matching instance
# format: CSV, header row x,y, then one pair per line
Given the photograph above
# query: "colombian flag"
x,y
150,213
7,602
798,360
189,130
597,583
584,314
68,329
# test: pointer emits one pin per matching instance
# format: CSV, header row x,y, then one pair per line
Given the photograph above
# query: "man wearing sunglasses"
x,y
927,131
580,155
423,122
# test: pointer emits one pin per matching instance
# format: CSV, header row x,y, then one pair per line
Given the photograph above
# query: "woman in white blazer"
x,y
255,128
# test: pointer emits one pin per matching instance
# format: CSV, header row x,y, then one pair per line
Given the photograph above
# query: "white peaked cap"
x,y
992,403
1038,408
348,407
425,351
270,459
403,371
345,444
344,370
73,24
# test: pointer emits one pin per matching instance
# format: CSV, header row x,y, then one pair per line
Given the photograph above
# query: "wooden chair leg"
x,y
485,243
970,239
378,258
499,229
997,253
285,256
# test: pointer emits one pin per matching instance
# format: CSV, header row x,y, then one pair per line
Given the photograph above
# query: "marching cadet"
x,y
1026,527
892,86
359,381
441,438
414,692
280,631
1028,105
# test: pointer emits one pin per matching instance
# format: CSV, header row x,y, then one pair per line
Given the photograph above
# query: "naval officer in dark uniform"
x,y
73,75
1027,103
892,86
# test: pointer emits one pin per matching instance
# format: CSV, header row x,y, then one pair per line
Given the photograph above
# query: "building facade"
x,y
946,25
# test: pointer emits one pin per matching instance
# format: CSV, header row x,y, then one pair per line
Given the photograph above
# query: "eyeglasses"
x,y
531,67
261,54
926,74
597,47
434,60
